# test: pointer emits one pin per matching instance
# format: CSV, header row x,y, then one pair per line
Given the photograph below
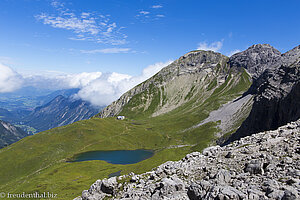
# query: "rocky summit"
x,y
265,165
257,58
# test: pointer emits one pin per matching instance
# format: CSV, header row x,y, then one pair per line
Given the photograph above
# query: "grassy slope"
x,y
37,163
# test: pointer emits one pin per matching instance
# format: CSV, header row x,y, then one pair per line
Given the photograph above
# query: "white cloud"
x,y
234,52
108,50
110,87
215,46
80,80
96,87
9,79
145,16
153,69
57,4
144,12
116,77
85,26
157,6
58,80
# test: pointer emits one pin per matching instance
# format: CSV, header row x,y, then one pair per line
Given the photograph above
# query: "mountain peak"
x,y
292,56
200,53
261,46
172,85
257,58
192,61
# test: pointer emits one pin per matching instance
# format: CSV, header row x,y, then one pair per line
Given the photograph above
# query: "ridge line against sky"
x,y
68,38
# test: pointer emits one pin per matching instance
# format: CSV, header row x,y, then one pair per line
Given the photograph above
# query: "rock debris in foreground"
x,y
262,166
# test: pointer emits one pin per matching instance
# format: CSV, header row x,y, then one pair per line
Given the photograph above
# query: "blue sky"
x,y
39,36
28,43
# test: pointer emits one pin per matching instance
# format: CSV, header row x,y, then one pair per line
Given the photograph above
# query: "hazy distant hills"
x,y
58,112
36,110
28,98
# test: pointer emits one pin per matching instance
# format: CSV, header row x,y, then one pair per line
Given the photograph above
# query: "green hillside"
x,y
159,117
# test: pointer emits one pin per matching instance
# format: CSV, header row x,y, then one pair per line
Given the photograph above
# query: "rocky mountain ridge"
x,y
276,90
10,134
262,166
58,112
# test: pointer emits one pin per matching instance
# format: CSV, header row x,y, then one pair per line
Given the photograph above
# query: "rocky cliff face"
x,y
10,134
58,112
256,59
262,166
276,92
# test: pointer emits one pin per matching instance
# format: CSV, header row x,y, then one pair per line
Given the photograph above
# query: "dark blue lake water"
x,y
123,157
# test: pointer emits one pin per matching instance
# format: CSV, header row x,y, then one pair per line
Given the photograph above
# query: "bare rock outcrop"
x,y
256,59
276,97
265,165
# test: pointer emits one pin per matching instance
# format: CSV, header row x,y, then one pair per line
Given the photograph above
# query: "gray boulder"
x,y
254,167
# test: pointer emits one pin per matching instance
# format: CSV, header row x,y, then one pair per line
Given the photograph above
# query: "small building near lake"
x,y
120,117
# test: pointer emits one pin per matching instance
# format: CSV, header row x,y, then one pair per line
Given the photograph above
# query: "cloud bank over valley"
x,y
96,87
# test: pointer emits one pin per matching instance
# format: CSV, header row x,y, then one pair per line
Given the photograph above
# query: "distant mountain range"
x,y
28,98
58,112
34,110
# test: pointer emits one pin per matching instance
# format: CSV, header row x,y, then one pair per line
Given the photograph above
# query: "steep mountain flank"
x,y
277,95
184,86
261,166
10,134
58,112
173,85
